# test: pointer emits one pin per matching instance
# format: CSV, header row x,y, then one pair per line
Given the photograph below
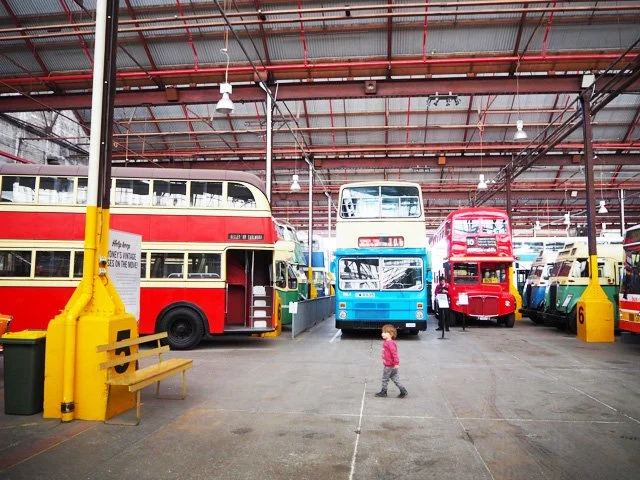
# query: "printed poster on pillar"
x,y
124,268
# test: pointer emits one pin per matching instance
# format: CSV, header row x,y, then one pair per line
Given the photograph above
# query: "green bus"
x,y
291,282
570,277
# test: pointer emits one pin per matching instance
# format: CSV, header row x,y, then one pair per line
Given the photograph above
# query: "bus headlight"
x,y
419,315
342,315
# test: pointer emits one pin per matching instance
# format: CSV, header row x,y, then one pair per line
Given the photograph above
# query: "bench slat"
x,y
131,341
151,374
122,359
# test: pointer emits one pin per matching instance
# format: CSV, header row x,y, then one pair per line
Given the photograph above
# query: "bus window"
x,y
292,278
401,274
78,264
206,194
240,196
465,273
359,274
15,263
170,193
19,189
52,264
132,192
83,185
204,265
281,279
166,265
55,190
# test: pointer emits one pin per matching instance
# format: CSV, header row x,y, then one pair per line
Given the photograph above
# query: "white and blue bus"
x,y
381,265
536,285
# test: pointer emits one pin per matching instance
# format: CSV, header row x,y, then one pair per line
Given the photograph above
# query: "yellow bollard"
x,y
594,311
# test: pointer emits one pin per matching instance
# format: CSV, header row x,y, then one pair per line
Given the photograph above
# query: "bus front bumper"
x,y
377,324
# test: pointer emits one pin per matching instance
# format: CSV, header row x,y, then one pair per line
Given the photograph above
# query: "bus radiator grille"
x,y
372,311
483,306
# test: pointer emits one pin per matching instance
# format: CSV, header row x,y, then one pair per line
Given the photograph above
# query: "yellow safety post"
x,y
594,311
516,294
313,291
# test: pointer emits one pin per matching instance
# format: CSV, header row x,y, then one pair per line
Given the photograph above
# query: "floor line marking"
x,y
339,332
355,449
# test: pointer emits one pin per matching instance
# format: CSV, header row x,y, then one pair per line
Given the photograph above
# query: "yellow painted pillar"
x,y
516,294
75,386
594,314
313,291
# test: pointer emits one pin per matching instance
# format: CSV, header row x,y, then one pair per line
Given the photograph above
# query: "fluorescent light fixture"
x,y
482,185
295,186
602,208
574,193
537,226
567,218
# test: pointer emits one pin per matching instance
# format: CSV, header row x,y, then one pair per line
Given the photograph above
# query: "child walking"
x,y
391,362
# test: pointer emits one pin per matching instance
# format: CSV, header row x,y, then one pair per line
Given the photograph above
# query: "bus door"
x,y
249,292
236,304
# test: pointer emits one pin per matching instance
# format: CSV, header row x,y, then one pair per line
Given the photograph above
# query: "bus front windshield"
x,y
631,284
385,273
389,201
490,226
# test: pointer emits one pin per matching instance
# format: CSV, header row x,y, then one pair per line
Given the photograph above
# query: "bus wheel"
x,y
184,328
510,320
572,325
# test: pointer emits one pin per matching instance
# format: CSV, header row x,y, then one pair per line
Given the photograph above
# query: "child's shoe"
x,y
381,393
403,393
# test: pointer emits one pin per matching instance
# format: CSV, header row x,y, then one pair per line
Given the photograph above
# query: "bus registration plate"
x,y
483,317
408,325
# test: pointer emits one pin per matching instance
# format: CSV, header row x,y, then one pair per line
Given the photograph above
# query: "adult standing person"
x,y
441,307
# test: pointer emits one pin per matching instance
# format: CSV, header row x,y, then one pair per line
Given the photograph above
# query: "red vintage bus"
x,y
629,297
473,250
207,259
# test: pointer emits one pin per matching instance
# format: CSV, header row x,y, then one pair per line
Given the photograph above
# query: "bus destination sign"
x,y
371,242
246,236
481,244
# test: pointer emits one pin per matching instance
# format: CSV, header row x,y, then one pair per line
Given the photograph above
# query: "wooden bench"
x,y
141,377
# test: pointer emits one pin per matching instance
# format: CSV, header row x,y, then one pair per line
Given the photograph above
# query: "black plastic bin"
x,y
24,371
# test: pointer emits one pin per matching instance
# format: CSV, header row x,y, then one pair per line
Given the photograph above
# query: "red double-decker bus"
x,y
473,250
207,258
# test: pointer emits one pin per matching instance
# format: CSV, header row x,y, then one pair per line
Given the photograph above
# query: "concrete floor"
x,y
490,403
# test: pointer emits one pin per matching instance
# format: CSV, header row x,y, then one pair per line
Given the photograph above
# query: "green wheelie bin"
x,y
24,371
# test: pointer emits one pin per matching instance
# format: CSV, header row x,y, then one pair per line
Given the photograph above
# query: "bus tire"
x,y
184,328
572,324
510,320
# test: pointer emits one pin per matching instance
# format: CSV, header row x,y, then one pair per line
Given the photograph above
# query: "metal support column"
x,y
594,311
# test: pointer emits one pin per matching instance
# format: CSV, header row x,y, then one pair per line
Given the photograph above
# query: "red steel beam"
x,y
311,91
416,164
